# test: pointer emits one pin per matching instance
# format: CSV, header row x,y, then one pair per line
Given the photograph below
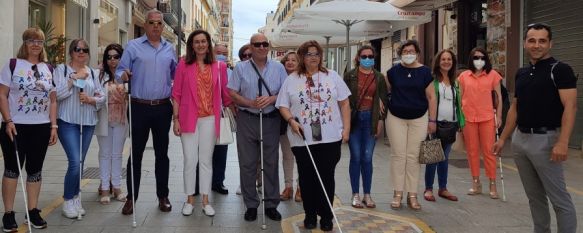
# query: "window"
x,y
37,14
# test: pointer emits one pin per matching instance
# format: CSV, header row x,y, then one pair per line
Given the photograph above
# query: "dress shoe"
x,y
326,225
220,189
311,221
286,194
251,214
128,207
164,204
273,214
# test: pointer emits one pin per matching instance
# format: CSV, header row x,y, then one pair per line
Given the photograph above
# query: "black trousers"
x,y
156,118
32,142
326,156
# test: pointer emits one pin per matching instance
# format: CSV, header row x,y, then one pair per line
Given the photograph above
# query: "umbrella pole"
x,y
347,24
327,49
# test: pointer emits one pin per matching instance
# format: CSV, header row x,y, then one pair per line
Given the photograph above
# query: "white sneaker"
x,y
208,210
79,206
70,209
238,192
187,209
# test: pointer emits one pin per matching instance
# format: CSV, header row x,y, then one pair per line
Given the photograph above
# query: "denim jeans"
x,y
69,137
441,170
361,145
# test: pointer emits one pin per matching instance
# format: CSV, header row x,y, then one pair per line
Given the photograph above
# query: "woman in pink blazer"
x,y
199,91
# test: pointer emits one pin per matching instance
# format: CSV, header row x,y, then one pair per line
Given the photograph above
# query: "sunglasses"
x,y
34,42
538,26
478,58
36,73
312,54
111,57
366,56
265,44
78,50
310,81
247,55
153,22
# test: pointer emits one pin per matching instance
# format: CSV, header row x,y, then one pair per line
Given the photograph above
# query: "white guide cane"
x,y
79,215
495,102
22,184
129,88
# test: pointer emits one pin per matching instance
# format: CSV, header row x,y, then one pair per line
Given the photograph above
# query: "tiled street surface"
x,y
469,214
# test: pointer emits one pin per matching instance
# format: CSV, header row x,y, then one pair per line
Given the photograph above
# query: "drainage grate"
x,y
94,173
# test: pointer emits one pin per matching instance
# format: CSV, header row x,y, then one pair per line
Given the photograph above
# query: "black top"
x,y
539,104
408,99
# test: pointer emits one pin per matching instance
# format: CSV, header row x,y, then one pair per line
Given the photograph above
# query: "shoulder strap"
x,y
12,65
552,75
92,75
51,69
363,92
261,80
65,71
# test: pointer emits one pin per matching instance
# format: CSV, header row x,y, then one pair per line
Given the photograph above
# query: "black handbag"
x,y
447,131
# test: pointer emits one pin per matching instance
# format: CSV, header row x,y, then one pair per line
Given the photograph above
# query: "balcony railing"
x,y
170,13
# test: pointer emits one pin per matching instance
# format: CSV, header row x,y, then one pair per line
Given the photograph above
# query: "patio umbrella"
x,y
358,16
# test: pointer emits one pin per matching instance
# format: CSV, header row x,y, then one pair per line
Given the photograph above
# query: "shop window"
x,y
37,14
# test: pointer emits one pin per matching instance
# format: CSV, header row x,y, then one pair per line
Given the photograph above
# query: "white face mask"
x,y
408,58
479,64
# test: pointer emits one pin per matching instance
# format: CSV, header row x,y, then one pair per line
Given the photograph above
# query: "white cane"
x,y
79,215
24,194
495,101
129,88
263,225
319,178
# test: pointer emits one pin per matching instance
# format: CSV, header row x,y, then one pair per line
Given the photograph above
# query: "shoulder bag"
x,y
227,122
446,131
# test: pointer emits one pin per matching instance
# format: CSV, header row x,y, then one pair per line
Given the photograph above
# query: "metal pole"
x,y
179,30
327,49
347,24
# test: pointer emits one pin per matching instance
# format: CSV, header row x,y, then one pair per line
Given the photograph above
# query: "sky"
x,y
248,16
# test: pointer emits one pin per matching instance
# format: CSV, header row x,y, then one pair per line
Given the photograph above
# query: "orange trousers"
x,y
480,135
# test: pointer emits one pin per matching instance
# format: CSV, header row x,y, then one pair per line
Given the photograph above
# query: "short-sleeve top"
x,y
408,98
476,92
313,104
29,95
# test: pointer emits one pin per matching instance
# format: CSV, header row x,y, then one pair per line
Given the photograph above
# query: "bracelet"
x,y
434,121
54,126
175,117
8,121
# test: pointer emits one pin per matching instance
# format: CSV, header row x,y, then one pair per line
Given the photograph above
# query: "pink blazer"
x,y
184,93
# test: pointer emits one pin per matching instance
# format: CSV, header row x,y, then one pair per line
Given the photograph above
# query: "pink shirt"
x,y
476,92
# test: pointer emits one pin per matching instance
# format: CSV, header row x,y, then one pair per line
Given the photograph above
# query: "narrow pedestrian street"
x,y
469,214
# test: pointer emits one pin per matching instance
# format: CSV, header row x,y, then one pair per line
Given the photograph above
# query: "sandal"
x,y
476,188
397,197
368,202
493,191
428,195
412,202
356,203
104,198
446,194
119,195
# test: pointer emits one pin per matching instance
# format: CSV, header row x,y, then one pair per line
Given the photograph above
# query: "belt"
x,y
537,130
151,102
271,114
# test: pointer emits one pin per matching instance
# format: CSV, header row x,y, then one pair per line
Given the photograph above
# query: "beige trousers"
x,y
288,161
405,137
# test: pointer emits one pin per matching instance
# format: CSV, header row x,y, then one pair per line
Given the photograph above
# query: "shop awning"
x,y
423,5
81,3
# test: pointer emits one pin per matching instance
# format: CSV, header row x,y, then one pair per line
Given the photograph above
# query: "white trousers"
x,y
198,147
110,155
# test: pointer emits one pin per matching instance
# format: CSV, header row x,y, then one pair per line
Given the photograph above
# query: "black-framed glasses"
x,y
538,26
115,56
265,44
154,22
34,42
78,50
478,58
310,81
366,56
36,73
247,55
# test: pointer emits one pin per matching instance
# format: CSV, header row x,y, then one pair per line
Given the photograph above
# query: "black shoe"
x,y
251,214
326,225
35,219
310,222
273,214
220,189
9,223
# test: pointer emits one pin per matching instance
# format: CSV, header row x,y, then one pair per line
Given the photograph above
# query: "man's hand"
x,y
559,152
497,148
263,101
126,75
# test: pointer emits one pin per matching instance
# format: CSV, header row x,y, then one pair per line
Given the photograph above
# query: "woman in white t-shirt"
x,y
314,101
29,109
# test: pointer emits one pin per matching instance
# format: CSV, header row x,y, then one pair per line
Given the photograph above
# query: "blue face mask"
x,y
221,57
367,62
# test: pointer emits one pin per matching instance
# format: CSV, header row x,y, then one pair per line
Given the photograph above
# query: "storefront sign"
x,y
81,3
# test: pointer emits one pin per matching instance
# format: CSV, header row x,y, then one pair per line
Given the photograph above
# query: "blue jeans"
x,y
361,145
441,170
69,136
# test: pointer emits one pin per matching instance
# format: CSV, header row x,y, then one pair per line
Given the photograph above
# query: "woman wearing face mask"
x,y
476,86
412,115
367,86
290,62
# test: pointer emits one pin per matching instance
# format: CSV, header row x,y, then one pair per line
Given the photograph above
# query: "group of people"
x,y
297,104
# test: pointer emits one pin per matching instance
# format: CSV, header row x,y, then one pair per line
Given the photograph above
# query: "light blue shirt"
x,y
69,106
152,68
245,80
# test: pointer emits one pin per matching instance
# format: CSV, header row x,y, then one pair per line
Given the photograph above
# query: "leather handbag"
x,y
431,151
227,121
446,131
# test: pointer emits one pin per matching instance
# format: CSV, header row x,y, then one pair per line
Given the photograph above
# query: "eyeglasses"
x,y
478,58
265,44
154,22
308,54
78,50
366,56
310,81
247,55
36,73
34,42
111,57
408,52
538,26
